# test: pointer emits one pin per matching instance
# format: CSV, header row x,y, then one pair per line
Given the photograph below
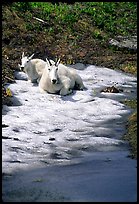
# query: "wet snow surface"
x,y
44,130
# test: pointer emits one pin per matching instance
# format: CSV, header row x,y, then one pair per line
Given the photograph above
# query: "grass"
x,y
111,17
131,134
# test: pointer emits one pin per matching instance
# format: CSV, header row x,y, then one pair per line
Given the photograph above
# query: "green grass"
x,y
111,17
131,135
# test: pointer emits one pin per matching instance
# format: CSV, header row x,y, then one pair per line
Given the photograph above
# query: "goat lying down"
x,y
57,78
32,67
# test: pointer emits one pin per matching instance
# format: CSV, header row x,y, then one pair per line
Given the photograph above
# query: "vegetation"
x,y
131,134
75,32
110,17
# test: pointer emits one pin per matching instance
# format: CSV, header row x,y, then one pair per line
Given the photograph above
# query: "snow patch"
x,y
51,128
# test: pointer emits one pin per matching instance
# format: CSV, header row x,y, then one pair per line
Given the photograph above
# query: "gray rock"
x,y
125,42
79,66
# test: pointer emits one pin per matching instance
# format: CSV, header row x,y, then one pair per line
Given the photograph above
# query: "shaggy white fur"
x,y
58,78
32,67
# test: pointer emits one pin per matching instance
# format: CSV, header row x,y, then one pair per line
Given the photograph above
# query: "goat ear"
x,y
48,62
57,62
23,54
19,66
52,62
31,57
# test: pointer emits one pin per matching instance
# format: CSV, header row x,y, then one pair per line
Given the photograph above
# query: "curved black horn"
x,y
50,62
57,61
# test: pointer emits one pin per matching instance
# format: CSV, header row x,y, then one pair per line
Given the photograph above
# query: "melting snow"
x,y
49,128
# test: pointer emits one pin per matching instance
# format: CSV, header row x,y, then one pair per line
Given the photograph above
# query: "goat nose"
x,y
22,68
53,81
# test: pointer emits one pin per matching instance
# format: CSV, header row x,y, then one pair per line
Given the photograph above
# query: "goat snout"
x,y
22,68
54,81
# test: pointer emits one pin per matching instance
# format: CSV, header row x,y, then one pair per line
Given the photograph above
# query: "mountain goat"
x,y
57,78
32,67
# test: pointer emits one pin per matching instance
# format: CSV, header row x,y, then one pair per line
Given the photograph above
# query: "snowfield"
x,y
48,129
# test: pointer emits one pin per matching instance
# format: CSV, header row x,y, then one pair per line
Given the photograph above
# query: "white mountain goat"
x,y
57,78
32,67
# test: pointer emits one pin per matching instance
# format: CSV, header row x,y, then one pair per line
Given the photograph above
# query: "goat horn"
x,y
50,62
57,62
31,56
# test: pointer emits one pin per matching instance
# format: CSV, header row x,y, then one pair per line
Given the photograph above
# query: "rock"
x,y
79,66
111,89
125,42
